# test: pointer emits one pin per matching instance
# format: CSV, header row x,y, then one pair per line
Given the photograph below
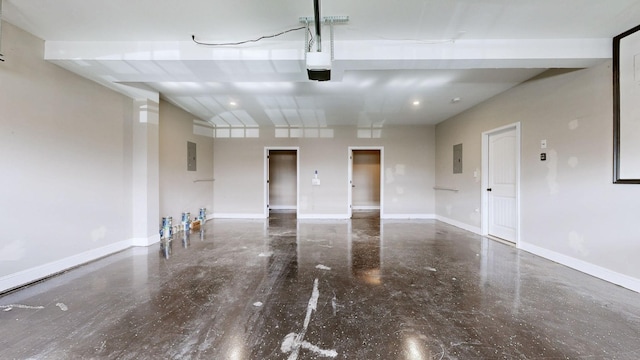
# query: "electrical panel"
x,y
191,156
457,159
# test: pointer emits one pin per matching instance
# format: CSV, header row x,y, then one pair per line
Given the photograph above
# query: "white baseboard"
x,y
458,224
323,216
611,276
24,277
408,216
146,241
237,216
384,216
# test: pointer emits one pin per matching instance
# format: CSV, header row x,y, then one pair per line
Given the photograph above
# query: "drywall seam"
x,y
27,276
585,267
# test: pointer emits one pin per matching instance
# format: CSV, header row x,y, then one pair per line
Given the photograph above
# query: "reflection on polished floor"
x,y
288,289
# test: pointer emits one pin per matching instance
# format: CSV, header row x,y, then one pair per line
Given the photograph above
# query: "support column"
x,y
146,173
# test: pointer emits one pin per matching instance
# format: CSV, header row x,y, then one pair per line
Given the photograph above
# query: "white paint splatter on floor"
x,y
293,342
431,269
313,304
290,343
20,306
266,254
62,306
322,267
102,346
257,304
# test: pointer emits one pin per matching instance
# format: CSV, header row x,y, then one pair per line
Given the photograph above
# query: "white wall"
x,y
182,190
571,211
65,155
409,157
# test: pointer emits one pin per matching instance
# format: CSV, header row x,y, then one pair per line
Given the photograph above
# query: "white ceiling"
x,y
387,56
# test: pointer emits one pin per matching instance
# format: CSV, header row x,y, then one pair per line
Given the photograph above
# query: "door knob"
x,y
489,189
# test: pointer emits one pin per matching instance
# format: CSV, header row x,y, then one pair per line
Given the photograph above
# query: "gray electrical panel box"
x,y
457,159
191,156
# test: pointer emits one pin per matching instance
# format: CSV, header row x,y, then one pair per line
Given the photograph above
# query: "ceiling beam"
x,y
460,54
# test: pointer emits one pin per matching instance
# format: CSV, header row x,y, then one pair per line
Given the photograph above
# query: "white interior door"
x,y
502,184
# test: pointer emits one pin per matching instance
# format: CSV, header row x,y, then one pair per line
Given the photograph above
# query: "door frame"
x,y
266,176
350,177
485,178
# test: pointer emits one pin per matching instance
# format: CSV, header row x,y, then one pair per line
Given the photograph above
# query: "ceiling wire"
x,y
311,39
193,37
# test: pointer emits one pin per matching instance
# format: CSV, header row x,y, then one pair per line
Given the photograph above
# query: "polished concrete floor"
x,y
287,289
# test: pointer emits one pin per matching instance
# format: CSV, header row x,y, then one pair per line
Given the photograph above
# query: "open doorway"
x,y
365,184
281,185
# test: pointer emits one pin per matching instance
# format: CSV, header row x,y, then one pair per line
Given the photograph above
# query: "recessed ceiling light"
x,y
233,103
416,103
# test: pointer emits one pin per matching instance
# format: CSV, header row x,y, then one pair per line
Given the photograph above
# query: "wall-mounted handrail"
x,y
445,188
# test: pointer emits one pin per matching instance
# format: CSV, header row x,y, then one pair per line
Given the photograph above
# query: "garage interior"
x,y
464,186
